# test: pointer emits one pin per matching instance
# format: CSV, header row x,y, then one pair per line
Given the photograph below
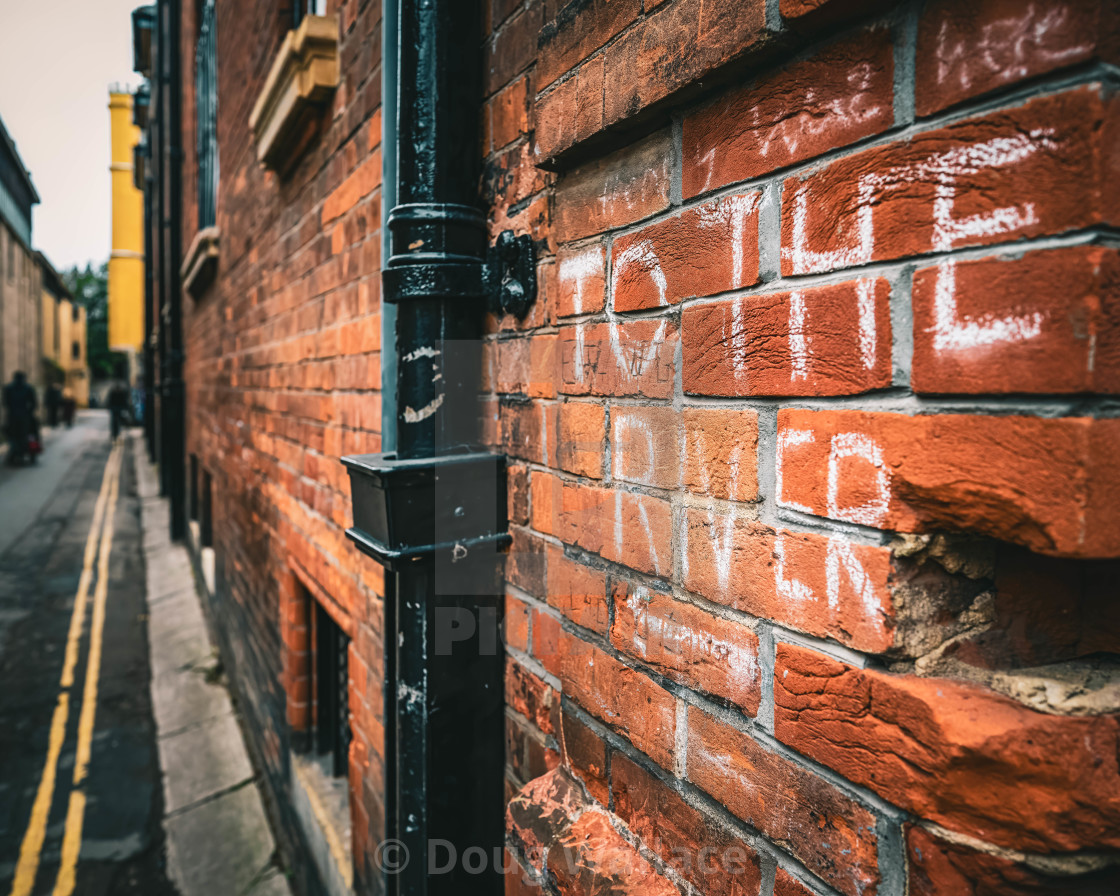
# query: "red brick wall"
x,y
814,500
283,377
812,452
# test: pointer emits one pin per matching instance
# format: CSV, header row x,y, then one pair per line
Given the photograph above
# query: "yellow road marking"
x,y
75,813
31,848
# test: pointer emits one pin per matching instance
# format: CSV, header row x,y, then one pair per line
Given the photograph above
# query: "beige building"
x,y
20,291
63,336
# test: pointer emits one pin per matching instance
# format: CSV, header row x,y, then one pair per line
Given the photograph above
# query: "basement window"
x,y
192,504
331,686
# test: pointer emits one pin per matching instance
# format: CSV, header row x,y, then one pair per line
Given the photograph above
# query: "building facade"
x,y
810,446
126,258
19,270
63,337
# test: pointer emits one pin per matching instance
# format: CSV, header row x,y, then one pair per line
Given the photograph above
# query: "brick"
x,y
967,49
707,854
572,111
828,832
676,46
1047,484
824,340
646,445
956,754
841,95
592,857
627,528
785,884
532,697
576,31
585,753
361,182
507,115
523,429
1026,171
619,358
823,585
581,279
938,865
513,47
624,699
541,812
544,360
688,644
720,452
700,252
815,13
516,623
621,189
578,591
577,437
1044,322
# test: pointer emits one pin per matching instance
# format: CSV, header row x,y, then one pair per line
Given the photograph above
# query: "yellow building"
x,y
63,336
126,261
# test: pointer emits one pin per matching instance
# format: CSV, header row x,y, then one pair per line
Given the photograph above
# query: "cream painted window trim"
x,y
200,264
303,77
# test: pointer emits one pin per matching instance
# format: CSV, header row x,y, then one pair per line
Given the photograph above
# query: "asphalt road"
x,y
80,793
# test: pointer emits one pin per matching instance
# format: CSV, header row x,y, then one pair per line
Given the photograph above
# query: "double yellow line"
x,y
99,544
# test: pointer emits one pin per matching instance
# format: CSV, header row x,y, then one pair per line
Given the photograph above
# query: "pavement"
x,y
122,769
218,838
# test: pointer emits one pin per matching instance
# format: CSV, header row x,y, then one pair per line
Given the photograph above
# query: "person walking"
x,y
20,403
118,402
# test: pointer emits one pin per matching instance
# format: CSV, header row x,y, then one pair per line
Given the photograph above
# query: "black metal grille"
x,y
332,684
206,100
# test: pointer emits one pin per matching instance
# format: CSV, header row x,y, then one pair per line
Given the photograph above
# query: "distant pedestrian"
x,y
19,415
69,406
53,401
118,401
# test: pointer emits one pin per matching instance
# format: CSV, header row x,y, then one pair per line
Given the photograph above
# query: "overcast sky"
x,y
57,61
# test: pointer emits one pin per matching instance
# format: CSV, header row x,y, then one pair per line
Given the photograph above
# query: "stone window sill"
x,y
302,79
322,807
200,265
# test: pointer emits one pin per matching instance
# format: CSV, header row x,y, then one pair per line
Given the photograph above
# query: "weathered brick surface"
x,y
822,827
798,343
823,351
837,97
1030,170
966,49
959,755
1046,322
688,644
1040,483
707,250
710,857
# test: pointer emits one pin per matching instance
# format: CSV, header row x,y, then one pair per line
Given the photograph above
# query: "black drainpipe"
x,y
434,511
172,412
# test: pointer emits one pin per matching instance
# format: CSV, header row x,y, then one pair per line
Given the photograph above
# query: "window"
x,y
206,105
76,350
206,524
75,311
193,503
303,8
331,690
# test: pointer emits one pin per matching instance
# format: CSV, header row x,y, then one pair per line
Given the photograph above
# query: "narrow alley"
x,y
86,712
79,773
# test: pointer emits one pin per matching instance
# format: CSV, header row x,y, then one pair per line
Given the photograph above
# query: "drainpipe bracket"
x,y
511,274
